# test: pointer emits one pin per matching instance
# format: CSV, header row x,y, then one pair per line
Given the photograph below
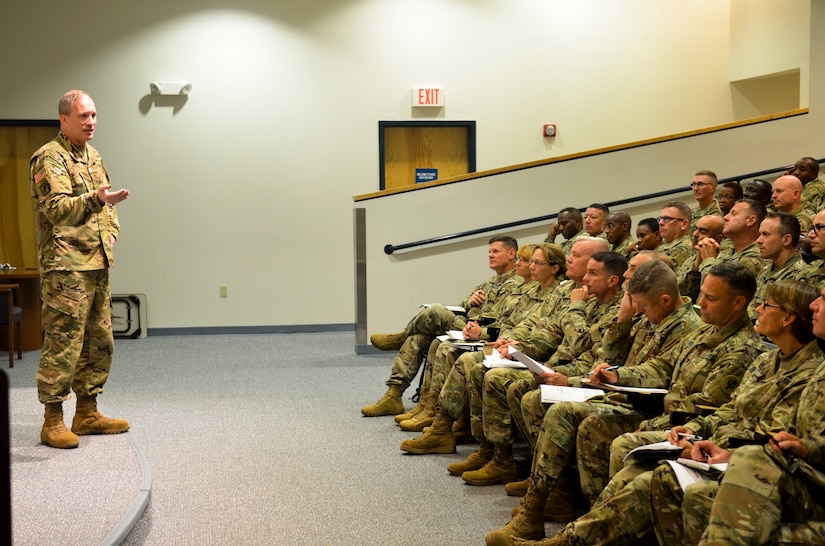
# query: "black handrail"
x,y
389,248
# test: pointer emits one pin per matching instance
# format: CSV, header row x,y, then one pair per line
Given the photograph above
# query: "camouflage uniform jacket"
x,y
816,274
626,248
748,256
711,210
765,402
679,249
651,358
567,245
496,288
709,367
597,322
813,196
559,298
547,333
576,325
805,217
529,305
794,268
75,231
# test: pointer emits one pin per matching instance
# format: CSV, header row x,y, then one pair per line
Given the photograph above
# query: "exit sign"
x,y
427,96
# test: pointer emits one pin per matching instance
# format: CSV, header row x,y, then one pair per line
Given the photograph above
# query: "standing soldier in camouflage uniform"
x,y
592,308
77,227
453,398
778,239
674,227
416,338
670,318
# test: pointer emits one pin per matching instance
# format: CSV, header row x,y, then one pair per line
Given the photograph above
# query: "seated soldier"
x,y
759,190
787,198
436,320
729,193
674,226
704,188
648,363
816,272
569,225
764,403
594,218
453,398
647,235
813,190
707,227
617,230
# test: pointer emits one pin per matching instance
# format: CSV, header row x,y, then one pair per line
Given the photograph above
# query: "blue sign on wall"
x,y
425,175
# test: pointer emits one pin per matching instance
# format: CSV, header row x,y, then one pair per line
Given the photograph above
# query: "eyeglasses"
x,y
766,304
816,228
668,219
523,259
538,263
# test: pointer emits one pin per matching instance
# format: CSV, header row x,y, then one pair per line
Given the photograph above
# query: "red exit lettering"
x,y
428,96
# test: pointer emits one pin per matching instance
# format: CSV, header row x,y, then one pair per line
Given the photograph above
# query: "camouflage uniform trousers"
x,y
533,411
622,518
668,503
78,344
453,398
515,395
489,409
593,448
756,494
442,360
421,331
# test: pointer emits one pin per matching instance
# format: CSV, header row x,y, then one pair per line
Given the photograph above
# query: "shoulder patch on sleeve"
x,y
729,383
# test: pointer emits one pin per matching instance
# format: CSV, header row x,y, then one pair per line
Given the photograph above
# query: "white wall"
x,y
250,181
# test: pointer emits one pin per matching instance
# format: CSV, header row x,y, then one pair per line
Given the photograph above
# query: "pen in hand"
x,y
608,369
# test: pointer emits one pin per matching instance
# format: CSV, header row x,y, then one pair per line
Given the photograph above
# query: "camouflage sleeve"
x,y
725,376
542,342
467,304
816,450
690,283
53,189
656,371
618,340
575,332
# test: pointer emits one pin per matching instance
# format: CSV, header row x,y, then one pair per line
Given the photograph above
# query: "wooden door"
x,y
18,245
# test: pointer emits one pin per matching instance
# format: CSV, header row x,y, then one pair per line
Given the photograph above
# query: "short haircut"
x,y
813,164
738,193
600,207
740,280
651,224
653,279
796,297
598,240
709,174
683,209
64,106
573,212
506,240
614,263
788,225
757,209
661,256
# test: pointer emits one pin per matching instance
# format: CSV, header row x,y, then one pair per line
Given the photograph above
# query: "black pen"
x,y
608,369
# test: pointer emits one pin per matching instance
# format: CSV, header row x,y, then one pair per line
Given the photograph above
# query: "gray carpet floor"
x,y
259,440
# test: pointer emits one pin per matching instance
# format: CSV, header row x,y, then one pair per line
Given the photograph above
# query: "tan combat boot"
x,y
561,505
54,432
437,438
500,469
527,523
424,418
389,404
87,420
388,342
517,489
418,408
476,459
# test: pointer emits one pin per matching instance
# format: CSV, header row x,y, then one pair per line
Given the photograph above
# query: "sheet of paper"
x,y
536,367
686,475
495,361
555,393
620,388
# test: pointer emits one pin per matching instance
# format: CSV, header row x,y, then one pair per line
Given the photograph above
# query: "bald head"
x,y
617,227
787,193
708,226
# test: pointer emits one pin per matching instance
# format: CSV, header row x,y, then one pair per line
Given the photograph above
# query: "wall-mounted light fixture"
x,y
157,88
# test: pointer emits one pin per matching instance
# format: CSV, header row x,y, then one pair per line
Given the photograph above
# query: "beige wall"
x,y
249,182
